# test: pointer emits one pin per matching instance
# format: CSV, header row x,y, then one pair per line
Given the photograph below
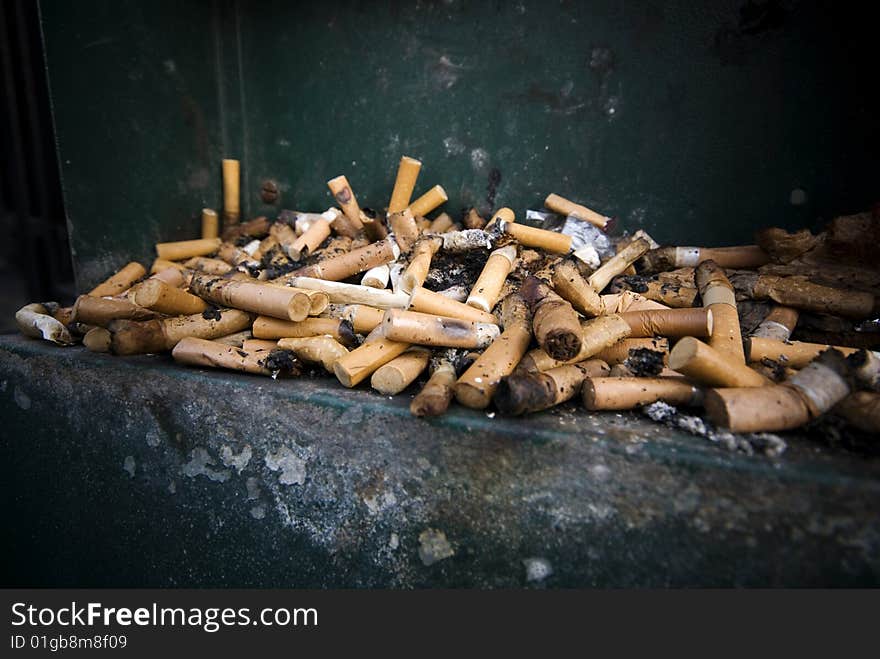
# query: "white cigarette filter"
x,y
376,277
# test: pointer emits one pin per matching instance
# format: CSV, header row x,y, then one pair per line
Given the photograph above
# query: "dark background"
x,y
696,122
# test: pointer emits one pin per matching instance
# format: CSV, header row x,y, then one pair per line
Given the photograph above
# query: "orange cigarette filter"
x,y
404,183
433,198
231,192
210,223
566,207
625,393
794,354
697,360
349,223
550,241
669,322
119,282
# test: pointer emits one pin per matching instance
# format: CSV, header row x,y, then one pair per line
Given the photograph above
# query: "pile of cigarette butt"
x,y
495,312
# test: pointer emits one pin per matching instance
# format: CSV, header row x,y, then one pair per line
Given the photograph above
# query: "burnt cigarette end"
x,y
644,362
282,361
347,336
211,313
521,393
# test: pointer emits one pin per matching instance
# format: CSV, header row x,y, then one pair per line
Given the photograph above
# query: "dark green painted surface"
x,y
128,472
694,121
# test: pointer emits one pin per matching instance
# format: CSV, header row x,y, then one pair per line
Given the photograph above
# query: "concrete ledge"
x,y
134,472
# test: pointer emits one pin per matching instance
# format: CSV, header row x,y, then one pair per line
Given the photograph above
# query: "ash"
x,y
752,443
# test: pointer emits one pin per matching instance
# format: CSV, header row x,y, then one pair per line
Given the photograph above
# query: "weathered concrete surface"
x,y
131,472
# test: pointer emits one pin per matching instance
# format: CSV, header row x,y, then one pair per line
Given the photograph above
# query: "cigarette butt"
x,y
285,235
597,335
861,409
255,228
619,352
571,286
395,272
264,299
778,325
625,393
428,201
458,293
756,409
435,396
343,266
473,220
417,270
255,345
236,339
618,263
738,257
505,214
162,264
184,249
376,277
132,337
251,248
208,266
363,319
362,362
455,242
353,293
441,224
309,241
159,296
324,350
793,354
478,383
866,368
669,322
373,228
824,382
405,229
669,294
404,183
234,256
704,364
395,376
341,330
430,302
527,236
349,222
172,276
600,333
429,330
532,392
555,323
210,223
102,311
200,352
231,192
803,294
537,360
119,282
718,296
628,301
97,339
568,208
487,288
34,320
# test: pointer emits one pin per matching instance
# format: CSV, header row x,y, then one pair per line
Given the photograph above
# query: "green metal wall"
x,y
694,121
